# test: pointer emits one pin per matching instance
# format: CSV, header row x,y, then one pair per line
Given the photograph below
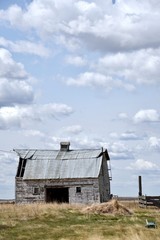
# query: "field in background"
x,y
76,222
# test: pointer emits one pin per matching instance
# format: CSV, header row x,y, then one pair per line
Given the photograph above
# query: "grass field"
x,y
72,222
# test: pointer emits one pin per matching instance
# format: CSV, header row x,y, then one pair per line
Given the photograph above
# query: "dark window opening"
x,y
21,167
36,191
59,195
78,189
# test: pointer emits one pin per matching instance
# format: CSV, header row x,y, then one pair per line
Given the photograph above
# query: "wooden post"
x,y
140,186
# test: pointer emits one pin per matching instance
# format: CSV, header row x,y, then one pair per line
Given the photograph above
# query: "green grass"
x,y
69,222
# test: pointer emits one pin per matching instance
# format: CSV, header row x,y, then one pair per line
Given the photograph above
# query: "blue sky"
x,y
85,72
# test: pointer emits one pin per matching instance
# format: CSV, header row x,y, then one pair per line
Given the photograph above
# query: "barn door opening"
x,y
59,195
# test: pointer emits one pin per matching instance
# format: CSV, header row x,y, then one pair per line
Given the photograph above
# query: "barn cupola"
x,y
64,146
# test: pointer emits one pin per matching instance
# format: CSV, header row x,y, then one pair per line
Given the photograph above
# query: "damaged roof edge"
x,y
104,152
41,154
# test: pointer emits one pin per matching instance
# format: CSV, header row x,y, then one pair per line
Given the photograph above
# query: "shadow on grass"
x,y
4,227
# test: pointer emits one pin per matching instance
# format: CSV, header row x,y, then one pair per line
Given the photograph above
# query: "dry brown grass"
x,y
130,204
72,222
12,212
111,207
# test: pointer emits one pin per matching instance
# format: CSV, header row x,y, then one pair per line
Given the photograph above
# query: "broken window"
x,y
78,189
36,191
21,167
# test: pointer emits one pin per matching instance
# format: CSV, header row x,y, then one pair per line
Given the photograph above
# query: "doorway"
x,y
60,195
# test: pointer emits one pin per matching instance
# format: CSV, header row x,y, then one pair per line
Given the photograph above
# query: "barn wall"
x,y
89,190
104,182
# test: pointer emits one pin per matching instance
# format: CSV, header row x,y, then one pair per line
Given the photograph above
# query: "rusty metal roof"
x,y
55,164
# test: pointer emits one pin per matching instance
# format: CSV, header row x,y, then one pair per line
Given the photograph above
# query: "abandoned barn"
x,y
64,175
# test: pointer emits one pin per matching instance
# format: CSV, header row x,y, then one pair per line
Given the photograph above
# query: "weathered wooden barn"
x,y
64,175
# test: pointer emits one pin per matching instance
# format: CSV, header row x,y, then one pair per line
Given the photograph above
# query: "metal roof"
x,y
55,164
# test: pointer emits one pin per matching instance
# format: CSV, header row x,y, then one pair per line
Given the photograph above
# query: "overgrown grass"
x,y
69,222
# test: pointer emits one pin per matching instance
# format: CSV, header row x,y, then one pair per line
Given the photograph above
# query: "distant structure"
x,y
147,201
64,175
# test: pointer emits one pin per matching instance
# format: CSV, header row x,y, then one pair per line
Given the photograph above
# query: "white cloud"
x,y
98,25
141,164
22,116
129,50
25,47
148,115
133,68
75,129
15,85
87,142
79,142
129,135
34,133
118,150
9,68
91,79
58,109
86,8
56,16
154,143
123,116
76,61
17,92
99,80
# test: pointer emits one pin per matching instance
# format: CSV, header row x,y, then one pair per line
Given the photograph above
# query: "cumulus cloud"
x,y
119,151
141,164
15,87
123,116
148,115
22,116
24,46
92,80
129,135
9,68
74,129
126,136
87,142
99,80
17,92
154,143
79,142
91,22
128,50
138,67
76,61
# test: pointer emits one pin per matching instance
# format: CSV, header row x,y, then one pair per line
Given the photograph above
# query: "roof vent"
x,y
64,146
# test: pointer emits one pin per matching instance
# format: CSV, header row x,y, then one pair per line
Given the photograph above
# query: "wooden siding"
x,y
89,190
104,182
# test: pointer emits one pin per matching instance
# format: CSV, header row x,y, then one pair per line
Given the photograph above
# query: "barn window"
x,y
78,189
21,167
36,191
